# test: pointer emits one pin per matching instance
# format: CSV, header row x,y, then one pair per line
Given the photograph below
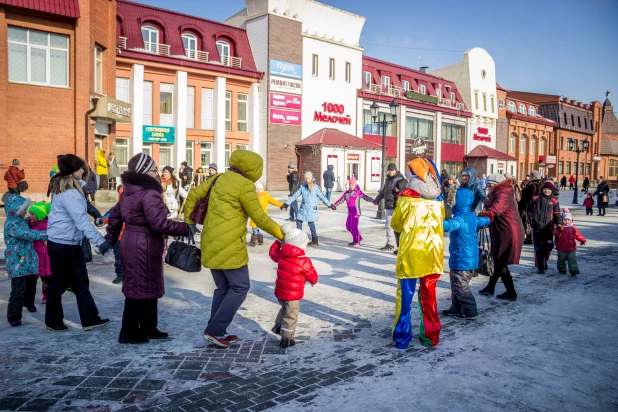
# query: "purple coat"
x,y
143,212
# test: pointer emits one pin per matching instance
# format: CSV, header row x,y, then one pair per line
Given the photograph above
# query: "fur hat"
x,y
535,175
566,214
141,163
308,174
495,178
15,162
548,185
69,164
259,187
294,237
40,209
352,181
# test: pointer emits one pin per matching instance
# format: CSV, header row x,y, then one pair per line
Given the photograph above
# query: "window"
x,y
405,84
367,77
419,128
207,109
370,128
439,94
588,168
189,153
493,108
331,69
532,111
511,107
314,65
166,104
241,147
586,122
165,156
453,133
522,108
560,167
452,168
522,145
122,153
512,143
348,72
98,70
501,104
224,52
579,121
568,167
565,119
151,38
243,112
453,97
542,147
613,168
205,154
422,89
228,153
37,57
386,81
532,144
190,43
562,143
581,168
476,100
572,120
147,148
190,107
122,90
484,102
228,111
147,103
522,169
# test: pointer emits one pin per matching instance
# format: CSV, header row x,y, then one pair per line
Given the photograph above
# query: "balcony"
x,y
123,43
157,48
231,61
198,55
394,91
451,104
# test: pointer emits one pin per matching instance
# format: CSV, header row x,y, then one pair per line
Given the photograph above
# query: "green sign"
x,y
423,98
158,134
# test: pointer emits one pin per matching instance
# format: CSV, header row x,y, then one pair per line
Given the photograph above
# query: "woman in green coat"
x,y
223,240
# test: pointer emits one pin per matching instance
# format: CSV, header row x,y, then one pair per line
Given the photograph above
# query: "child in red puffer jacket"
x,y
294,269
566,235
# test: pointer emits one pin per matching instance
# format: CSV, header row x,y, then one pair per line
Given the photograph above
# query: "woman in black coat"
x,y
563,183
586,185
601,192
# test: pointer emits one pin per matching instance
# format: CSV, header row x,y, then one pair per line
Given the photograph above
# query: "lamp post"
x,y
574,146
382,124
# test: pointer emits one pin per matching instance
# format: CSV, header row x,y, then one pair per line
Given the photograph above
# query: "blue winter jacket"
x,y
68,222
309,206
474,186
21,258
463,249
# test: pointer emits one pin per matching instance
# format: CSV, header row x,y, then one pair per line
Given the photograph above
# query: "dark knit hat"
x,y
141,163
69,164
392,166
15,162
548,185
169,169
213,166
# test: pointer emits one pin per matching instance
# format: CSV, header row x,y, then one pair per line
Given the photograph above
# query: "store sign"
x,y
158,134
332,113
482,134
550,160
421,97
418,147
112,110
281,84
286,101
279,68
501,166
353,157
291,117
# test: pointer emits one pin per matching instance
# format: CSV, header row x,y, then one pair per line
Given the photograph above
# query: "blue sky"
x,y
563,47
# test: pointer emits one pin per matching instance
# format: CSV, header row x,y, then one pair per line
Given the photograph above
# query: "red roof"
x,y
133,16
335,137
488,152
67,8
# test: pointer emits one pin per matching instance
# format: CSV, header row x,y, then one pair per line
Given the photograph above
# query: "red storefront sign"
x,y
286,101
482,134
334,113
291,117
353,157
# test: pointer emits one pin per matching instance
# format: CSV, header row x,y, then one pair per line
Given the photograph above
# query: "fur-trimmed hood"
x,y
137,181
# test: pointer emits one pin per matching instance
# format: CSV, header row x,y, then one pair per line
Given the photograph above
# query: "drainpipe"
x,y
94,100
300,161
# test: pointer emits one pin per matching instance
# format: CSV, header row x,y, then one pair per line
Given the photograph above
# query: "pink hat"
x,y
352,181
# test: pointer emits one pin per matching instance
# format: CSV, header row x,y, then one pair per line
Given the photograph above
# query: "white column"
x,y
437,158
401,152
180,117
254,118
219,120
136,93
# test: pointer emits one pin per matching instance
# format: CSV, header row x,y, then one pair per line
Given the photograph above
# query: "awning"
x,y
113,110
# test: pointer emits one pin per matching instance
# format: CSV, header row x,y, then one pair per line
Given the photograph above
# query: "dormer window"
x,y
501,104
439,93
386,81
151,38
453,96
406,85
511,107
422,89
522,108
223,48
190,43
532,111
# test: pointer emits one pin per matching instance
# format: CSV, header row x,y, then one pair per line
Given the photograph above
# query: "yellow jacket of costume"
x,y
264,199
421,244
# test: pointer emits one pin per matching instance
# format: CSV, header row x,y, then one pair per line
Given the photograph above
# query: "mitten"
x,y
582,243
560,228
333,207
488,214
284,206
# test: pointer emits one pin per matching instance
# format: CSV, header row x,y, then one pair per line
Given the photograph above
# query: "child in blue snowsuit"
x,y
464,256
22,262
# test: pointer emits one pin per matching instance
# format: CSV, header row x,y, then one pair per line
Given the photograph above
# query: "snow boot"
x,y
253,240
487,291
388,248
276,329
314,241
574,272
287,343
260,239
510,293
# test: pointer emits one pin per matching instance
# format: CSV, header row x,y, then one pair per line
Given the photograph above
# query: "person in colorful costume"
x,y
419,217
352,198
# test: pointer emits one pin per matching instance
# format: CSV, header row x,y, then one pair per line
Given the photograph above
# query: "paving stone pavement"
x,y
343,334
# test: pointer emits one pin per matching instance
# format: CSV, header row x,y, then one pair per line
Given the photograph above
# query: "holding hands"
x,y
284,206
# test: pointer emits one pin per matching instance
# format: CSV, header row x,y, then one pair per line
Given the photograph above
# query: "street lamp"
x,y
574,146
382,124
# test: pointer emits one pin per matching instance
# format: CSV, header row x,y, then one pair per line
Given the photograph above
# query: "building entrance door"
x,y
352,170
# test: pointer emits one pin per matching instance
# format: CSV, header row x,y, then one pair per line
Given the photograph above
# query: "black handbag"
x,y
486,260
184,256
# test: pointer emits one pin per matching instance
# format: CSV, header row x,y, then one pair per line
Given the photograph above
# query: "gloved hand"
x,y
192,230
559,228
103,248
99,222
284,206
375,203
333,207
582,243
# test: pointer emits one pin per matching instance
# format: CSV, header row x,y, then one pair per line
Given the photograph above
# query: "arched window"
x,y
522,144
532,111
224,52
512,143
151,38
532,144
542,147
501,104
522,108
511,107
190,43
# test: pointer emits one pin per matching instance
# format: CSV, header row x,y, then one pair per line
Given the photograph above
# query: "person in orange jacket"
x,y
264,198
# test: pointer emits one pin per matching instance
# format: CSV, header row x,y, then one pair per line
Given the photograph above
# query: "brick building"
x,y
609,144
56,58
574,120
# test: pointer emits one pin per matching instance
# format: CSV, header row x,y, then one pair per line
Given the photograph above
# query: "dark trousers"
x,y
503,273
13,191
232,288
589,211
139,317
601,209
23,291
462,300
569,258
293,209
103,182
117,263
68,268
543,245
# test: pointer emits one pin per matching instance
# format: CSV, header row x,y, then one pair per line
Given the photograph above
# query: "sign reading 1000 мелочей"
x,y
158,134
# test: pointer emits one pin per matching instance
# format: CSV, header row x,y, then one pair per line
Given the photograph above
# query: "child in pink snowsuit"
x,y
352,198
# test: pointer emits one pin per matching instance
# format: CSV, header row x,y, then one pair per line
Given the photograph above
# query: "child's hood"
x,y
463,200
291,251
15,205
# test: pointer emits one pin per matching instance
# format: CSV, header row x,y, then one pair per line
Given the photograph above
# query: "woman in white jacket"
x,y
171,191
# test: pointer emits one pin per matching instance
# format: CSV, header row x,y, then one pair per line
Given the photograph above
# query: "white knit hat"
x,y
259,187
294,236
308,174
495,178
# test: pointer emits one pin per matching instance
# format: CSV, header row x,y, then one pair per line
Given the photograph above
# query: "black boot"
x,y
260,239
253,240
510,293
491,286
276,329
314,241
285,343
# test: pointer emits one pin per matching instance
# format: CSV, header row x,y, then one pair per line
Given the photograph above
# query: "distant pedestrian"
x,y
14,176
293,271
352,198
566,235
293,185
91,187
394,183
199,176
265,199
449,191
602,194
114,170
329,180
185,173
102,169
571,182
563,183
544,213
528,192
588,204
586,185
